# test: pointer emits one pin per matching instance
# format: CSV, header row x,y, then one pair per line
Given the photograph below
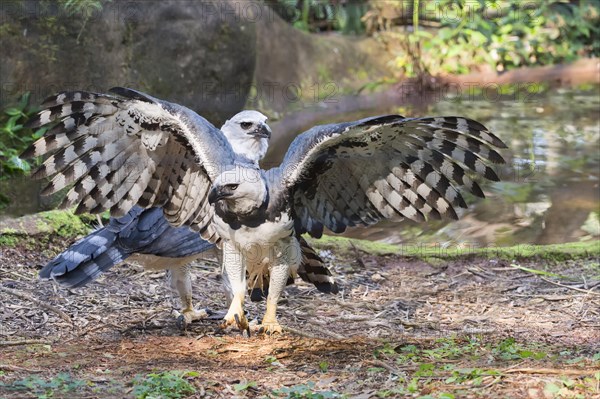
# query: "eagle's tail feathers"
x,y
85,260
312,269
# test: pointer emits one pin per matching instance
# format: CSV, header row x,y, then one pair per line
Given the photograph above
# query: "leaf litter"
x,y
400,327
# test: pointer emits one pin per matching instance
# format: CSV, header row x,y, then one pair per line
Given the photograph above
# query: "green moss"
x,y
92,219
31,231
9,237
8,231
343,244
43,226
555,252
63,223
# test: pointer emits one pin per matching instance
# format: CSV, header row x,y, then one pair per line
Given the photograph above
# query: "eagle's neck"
x,y
254,149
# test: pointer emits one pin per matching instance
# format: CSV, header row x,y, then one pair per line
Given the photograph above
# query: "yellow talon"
x,y
269,324
270,328
238,319
189,315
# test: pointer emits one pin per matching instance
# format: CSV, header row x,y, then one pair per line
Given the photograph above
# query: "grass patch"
x,y
554,252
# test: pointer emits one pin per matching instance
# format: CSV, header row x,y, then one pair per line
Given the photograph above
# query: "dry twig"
x,y
9,367
24,342
590,292
388,367
550,371
301,333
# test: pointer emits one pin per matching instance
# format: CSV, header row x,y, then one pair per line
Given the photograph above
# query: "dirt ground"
x,y
400,327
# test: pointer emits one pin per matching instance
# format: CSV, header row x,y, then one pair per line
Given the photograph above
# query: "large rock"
x,y
296,70
200,54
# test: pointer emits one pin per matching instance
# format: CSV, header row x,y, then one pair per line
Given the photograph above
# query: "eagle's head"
x,y
248,134
239,190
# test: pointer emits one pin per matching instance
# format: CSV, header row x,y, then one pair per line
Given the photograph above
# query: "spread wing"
x,y
118,151
357,173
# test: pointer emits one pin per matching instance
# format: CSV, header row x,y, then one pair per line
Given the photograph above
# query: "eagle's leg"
x,y
287,257
234,271
226,284
181,281
279,276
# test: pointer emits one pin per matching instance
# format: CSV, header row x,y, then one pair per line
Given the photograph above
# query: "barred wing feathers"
x,y
387,167
129,148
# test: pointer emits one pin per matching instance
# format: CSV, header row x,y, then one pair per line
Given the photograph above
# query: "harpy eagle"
x,y
334,176
145,236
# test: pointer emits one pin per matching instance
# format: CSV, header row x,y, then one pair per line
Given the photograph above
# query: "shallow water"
x,y
549,191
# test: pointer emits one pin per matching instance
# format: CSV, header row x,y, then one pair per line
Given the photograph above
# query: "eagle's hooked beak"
x,y
217,193
261,131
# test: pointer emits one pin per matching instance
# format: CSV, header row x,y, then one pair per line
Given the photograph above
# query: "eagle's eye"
x,y
233,187
246,125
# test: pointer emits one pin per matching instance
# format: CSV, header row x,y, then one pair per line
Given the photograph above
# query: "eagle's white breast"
x,y
265,233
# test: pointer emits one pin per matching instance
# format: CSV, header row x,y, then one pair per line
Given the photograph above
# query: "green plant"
x,y
84,9
442,395
565,387
42,388
306,391
318,15
501,34
473,375
323,366
510,350
14,137
449,348
243,386
166,385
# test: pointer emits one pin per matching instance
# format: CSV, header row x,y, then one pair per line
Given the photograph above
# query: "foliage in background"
x,y
323,15
83,8
14,138
460,35
501,34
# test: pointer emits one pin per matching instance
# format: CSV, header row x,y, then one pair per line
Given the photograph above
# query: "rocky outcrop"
x,y
295,70
215,57
201,54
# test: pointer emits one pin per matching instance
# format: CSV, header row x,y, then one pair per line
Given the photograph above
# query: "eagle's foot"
x,y
189,315
237,318
269,328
